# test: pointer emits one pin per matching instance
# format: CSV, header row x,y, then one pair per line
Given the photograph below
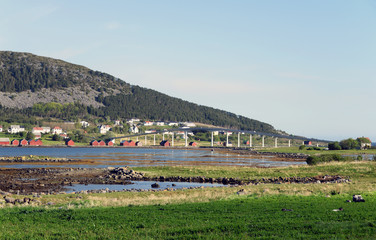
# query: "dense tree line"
x,y
149,104
348,144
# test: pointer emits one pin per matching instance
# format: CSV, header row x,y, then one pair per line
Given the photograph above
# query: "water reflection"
x,y
103,157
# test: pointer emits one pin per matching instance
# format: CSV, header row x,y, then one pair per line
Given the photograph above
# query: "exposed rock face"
x,y
85,96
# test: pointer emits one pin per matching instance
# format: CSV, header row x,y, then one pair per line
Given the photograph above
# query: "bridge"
x,y
227,131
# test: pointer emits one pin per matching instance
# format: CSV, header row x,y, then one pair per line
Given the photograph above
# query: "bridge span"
x,y
227,131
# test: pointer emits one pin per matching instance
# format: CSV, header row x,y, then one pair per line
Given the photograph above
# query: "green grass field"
x,y
242,217
209,213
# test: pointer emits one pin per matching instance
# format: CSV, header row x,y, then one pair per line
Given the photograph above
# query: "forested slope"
x,y
29,83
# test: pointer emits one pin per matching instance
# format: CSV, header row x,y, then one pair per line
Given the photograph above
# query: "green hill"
x,y
34,86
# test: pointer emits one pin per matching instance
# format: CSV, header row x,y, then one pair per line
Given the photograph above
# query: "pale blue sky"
x,y
306,67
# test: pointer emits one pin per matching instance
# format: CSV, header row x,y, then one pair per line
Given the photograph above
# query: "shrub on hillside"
x,y
334,146
313,160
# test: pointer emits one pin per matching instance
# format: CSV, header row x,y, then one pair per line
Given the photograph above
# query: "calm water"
x,y
138,185
104,157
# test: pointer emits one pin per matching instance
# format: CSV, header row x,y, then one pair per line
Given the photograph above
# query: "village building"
x,y
24,142
173,124
84,124
110,142
129,143
117,122
159,123
57,130
139,144
101,143
16,129
63,135
133,120
189,124
37,131
308,143
4,141
35,142
165,143
193,144
15,142
148,123
1,128
69,142
103,129
150,131
94,143
134,129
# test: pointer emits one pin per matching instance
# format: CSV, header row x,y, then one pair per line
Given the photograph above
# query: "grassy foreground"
x,y
210,213
243,217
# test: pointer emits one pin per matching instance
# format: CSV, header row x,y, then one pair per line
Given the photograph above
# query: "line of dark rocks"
x,y
24,159
125,173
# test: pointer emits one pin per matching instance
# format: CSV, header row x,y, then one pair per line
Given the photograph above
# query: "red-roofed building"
x,y
4,141
110,143
101,143
193,144
165,143
69,142
15,142
129,143
23,142
57,130
94,143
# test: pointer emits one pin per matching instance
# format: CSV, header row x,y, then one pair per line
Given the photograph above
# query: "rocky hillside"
x,y
28,81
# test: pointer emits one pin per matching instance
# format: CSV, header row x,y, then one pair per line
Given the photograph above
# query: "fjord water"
x,y
104,157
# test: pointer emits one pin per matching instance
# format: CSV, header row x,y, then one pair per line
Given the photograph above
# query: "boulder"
x,y
358,198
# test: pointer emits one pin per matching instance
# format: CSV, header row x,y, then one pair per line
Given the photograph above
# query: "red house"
x,y
4,141
128,143
23,142
70,142
110,143
101,143
94,143
33,143
193,144
39,142
165,143
15,142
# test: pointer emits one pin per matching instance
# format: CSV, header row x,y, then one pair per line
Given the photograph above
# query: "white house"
x,y
84,124
159,123
16,129
189,124
117,122
130,121
150,131
37,131
1,128
173,124
57,130
148,123
46,129
134,129
103,129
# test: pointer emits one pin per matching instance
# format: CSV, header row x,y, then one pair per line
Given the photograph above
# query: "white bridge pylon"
x,y
226,131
